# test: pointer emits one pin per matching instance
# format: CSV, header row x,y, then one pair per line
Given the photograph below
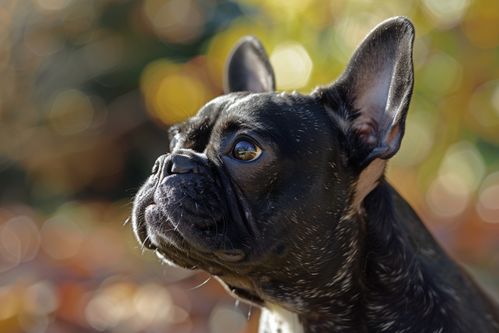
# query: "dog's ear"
x,y
371,98
248,68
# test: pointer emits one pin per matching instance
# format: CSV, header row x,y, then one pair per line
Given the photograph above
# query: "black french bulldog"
x,y
282,198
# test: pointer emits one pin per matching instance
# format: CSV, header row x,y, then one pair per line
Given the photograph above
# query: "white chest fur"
x,y
275,319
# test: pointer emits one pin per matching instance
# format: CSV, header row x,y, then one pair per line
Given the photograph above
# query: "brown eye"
x,y
246,151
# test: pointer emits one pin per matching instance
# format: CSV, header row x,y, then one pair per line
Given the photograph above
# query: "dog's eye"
x,y
245,150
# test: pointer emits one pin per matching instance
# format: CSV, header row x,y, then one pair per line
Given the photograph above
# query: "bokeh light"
x,y
484,106
172,91
226,319
177,21
447,12
459,175
19,241
71,112
292,65
441,74
52,4
488,200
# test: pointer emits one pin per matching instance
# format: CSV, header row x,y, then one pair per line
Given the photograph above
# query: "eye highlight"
x,y
245,150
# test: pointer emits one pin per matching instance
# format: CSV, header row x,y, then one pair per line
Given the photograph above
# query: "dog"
x,y
282,197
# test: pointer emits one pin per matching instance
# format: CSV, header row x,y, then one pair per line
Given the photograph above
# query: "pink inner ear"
x,y
366,130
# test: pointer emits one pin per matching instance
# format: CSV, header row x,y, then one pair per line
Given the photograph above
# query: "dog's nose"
x,y
179,163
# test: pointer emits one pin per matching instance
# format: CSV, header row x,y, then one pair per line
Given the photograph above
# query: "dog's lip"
x,y
247,295
138,221
231,256
164,257
204,261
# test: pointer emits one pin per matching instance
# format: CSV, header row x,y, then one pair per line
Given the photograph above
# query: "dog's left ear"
x,y
371,98
248,68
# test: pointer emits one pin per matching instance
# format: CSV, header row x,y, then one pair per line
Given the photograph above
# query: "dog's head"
x,y
259,188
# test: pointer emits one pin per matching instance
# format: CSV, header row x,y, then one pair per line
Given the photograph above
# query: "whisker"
x,y
175,227
126,221
201,284
143,244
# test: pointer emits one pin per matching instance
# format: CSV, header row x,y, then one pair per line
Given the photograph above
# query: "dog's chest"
x,y
275,319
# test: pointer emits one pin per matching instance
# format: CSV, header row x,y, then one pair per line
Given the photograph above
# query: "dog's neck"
x,y
395,259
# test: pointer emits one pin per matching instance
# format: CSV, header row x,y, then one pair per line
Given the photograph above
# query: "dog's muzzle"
x,y
190,204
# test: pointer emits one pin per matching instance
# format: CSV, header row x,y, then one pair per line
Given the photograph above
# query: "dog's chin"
x,y
176,251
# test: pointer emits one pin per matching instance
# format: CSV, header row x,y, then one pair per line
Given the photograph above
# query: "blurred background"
x,y
88,89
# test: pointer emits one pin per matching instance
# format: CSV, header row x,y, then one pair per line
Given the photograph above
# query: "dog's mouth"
x,y
194,218
244,294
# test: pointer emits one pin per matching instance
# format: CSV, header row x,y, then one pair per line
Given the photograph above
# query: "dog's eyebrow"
x,y
234,124
239,124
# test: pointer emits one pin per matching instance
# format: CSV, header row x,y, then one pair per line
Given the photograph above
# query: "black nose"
x,y
179,163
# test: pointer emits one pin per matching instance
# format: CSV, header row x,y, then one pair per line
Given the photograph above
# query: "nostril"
x,y
181,164
157,165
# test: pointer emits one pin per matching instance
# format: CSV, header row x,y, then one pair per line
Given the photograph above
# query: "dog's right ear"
x,y
370,100
248,68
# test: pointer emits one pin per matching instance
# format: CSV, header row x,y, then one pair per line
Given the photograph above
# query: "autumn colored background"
x,y
89,87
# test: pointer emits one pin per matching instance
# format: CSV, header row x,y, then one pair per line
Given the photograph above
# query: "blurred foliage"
x,y
87,89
